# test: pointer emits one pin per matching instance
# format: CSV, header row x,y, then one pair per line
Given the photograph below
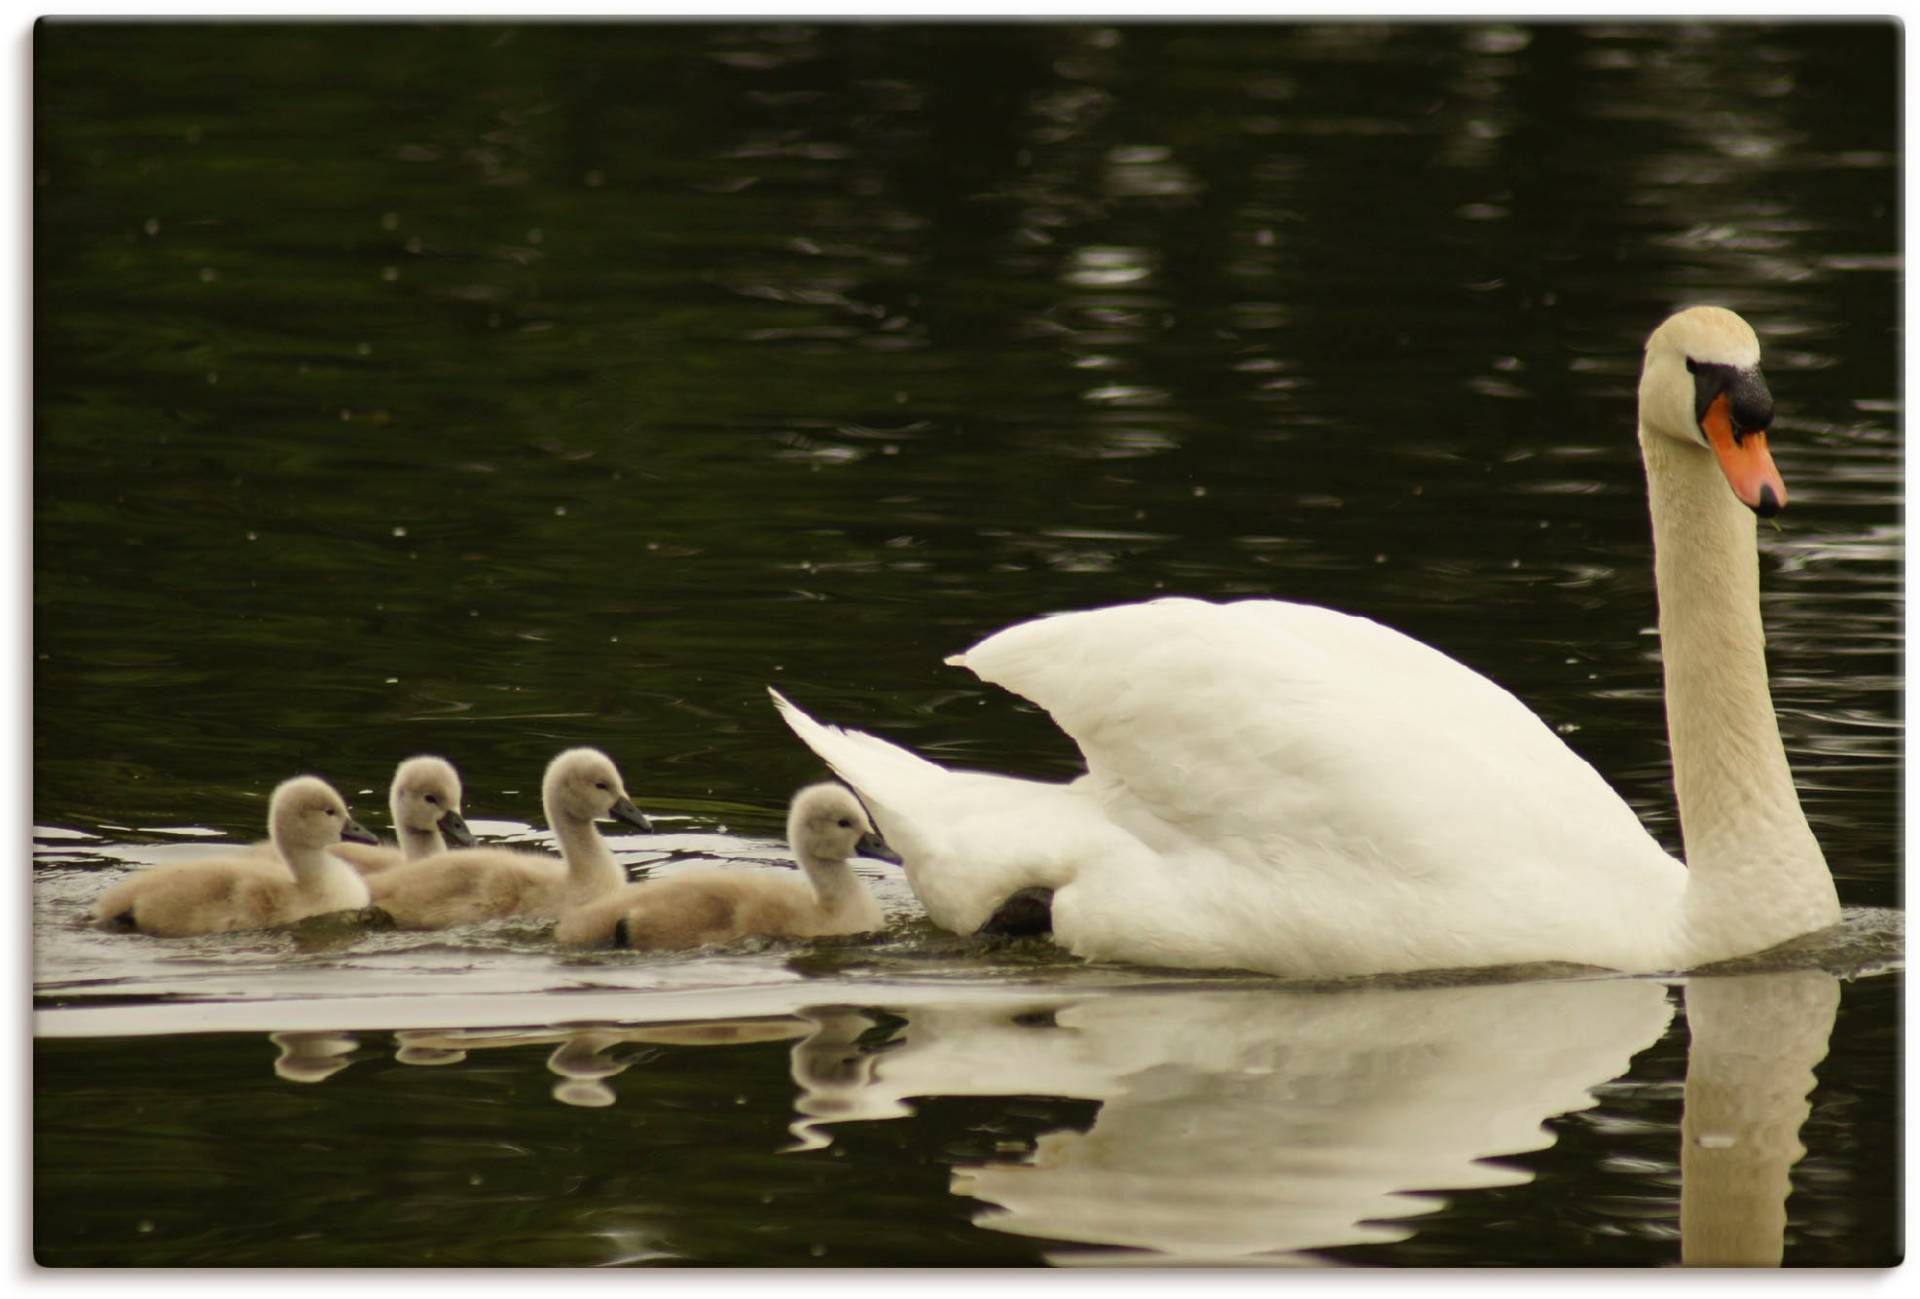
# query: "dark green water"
x,y
484,390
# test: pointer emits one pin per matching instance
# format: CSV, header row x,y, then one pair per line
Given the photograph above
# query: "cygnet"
x,y
469,884
826,827
425,803
240,890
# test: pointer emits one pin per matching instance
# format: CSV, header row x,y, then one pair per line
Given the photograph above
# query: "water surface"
x,y
486,389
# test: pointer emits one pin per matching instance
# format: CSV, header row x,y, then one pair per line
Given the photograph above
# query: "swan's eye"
x,y
433,800
845,824
601,784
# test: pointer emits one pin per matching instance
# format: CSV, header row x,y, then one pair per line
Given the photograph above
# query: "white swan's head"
x,y
827,823
1702,385
426,797
583,785
305,815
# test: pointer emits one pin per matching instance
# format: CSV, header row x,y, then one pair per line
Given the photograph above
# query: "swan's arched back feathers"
x,y
1294,728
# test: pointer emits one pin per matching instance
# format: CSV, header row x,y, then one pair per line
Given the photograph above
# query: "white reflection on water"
x,y
1242,1124
1239,1125
1756,1040
312,1057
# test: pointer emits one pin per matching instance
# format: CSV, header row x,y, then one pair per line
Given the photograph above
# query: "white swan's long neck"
x,y
590,864
1757,874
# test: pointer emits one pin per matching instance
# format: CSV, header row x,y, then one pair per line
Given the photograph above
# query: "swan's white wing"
x,y
1282,732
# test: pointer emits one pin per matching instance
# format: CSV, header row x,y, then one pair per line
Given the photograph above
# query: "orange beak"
x,y
1745,460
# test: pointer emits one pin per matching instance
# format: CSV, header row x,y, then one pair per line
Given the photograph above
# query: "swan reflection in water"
x,y
1243,1126
1251,1125
1750,1080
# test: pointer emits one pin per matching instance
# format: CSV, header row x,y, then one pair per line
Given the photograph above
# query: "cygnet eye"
x,y
601,784
845,824
433,799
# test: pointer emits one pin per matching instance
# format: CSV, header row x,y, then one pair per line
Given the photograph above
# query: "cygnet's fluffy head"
x,y
306,814
1701,385
827,823
426,797
583,785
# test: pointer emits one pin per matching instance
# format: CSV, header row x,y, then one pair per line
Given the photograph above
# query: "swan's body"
x,y
424,801
1281,787
470,884
240,890
826,827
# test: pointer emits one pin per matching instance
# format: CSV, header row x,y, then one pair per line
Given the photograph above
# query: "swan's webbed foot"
x,y
1023,915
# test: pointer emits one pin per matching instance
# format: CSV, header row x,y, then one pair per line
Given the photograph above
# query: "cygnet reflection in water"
x,y
582,1058
312,1057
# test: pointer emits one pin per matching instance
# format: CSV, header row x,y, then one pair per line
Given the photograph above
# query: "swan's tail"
x,y
878,771
968,839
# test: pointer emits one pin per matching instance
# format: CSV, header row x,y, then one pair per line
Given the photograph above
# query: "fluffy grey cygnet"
x,y
468,884
213,895
425,803
826,827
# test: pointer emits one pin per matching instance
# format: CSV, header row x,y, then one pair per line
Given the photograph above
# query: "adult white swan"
x,y
1281,787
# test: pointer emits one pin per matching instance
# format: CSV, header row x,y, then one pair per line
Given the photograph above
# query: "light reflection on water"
x,y
1230,1124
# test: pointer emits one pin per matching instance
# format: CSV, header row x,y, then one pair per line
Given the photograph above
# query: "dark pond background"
x,y
485,389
